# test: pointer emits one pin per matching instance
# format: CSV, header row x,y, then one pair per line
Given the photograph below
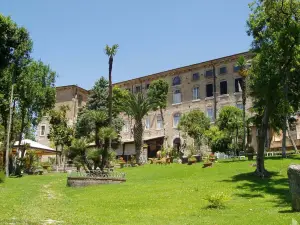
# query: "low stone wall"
x,y
294,182
87,181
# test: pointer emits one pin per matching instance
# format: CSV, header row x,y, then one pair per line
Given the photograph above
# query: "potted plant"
x,y
207,163
122,162
191,160
212,157
250,152
184,159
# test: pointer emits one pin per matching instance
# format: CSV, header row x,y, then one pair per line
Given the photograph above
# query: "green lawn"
x,y
154,194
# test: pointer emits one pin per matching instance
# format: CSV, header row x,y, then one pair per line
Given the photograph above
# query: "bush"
x,y
2,176
217,200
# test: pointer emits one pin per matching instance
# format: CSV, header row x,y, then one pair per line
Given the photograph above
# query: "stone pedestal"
x,y
294,182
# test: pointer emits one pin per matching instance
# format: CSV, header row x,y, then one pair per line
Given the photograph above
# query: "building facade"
x,y
72,96
190,88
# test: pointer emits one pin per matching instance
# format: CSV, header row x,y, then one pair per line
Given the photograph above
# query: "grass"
x,y
154,194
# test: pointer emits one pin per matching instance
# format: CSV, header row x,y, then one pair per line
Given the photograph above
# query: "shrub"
x,y
2,176
217,200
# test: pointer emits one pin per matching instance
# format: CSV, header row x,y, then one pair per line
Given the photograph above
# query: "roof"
x,y
34,145
188,67
72,86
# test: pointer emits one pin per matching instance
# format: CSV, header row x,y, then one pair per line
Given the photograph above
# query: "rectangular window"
x,y
209,90
195,76
79,101
223,87
236,69
240,105
208,73
176,97
176,119
210,113
126,126
159,124
43,130
196,93
223,70
147,123
138,89
237,85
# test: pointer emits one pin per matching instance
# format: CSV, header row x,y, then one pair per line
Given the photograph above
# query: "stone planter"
x,y
198,158
184,160
250,156
88,181
294,182
207,164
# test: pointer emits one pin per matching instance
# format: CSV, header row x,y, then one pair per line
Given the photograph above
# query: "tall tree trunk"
x,y
17,167
260,162
284,127
164,144
290,136
138,130
244,111
8,131
215,94
110,94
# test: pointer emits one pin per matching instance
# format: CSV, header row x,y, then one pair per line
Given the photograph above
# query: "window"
x,y
210,113
195,76
240,105
196,93
147,123
159,124
43,130
79,101
176,97
223,87
208,73
176,81
138,89
176,119
236,69
147,86
126,126
223,70
209,90
237,85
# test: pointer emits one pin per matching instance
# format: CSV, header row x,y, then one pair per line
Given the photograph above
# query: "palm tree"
x,y
243,65
137,106
110,52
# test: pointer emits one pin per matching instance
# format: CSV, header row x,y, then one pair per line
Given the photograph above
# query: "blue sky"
x,y
154,36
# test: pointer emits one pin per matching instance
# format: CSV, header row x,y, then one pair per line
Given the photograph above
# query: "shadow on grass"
x,y
276,186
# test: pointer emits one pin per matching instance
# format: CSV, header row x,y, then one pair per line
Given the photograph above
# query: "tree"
x,y
275,28
35,94
243,65
60,133
95,115
194,123
137,106
15,49
230,122
158,92
218,140
110,52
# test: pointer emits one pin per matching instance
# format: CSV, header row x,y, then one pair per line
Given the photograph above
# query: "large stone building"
x,y
191,87
74,97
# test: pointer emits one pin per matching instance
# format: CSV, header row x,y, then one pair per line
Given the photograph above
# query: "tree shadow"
x,y
277,186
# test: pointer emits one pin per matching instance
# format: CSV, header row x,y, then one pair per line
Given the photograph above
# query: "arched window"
x,y
176,81
176,119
